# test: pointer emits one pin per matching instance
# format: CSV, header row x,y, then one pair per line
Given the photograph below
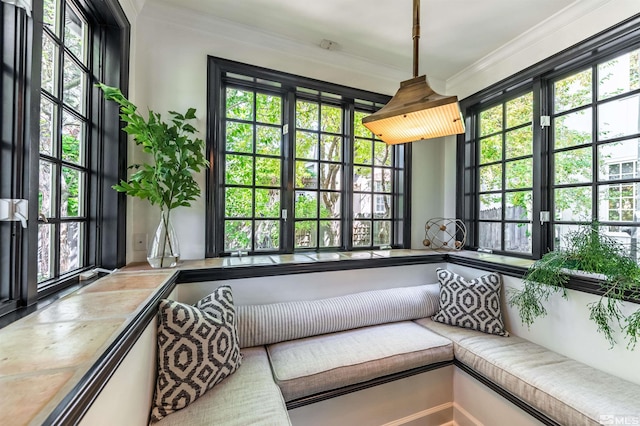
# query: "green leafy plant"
x,y
167,182
587,249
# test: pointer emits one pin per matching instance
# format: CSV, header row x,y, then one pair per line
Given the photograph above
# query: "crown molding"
x,y
211,26
528,39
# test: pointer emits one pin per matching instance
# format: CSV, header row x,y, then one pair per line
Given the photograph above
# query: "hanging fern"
x,y
587,249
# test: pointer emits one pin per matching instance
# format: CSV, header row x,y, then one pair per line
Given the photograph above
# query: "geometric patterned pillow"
x,y
196,350
471,304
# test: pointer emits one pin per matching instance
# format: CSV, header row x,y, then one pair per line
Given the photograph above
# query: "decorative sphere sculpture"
x,y
441,232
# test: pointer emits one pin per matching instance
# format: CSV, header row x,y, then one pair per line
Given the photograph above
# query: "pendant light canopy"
x,y
416,111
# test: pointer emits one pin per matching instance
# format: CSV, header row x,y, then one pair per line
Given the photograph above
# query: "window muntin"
x,y
505,175
253,170
62,224
595,144
339,188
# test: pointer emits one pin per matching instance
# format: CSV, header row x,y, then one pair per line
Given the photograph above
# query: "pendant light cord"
x,y
416,35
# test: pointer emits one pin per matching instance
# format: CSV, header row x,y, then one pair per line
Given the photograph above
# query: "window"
x,y
75,220
573,151
297,170
64,124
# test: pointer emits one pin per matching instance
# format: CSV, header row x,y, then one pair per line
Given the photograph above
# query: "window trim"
x,y
621,38
215,68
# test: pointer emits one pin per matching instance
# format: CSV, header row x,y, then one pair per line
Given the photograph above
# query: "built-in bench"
x,y
301,352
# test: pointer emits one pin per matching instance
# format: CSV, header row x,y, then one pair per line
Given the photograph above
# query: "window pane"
x,y
619,75
267,235
46,195
306,145
74,33
47,121
381,233
517,237
330,148
560,234
238,202
382,206
331,119
306,234
239,137
73,85
71,189
239,104
573,91
627,236
573,129
239,170
306,205
618,202
268,141
49,63
237,235
491,149
267,171
574,166
519,142
362,233
491,177
72,139
307,115
491,206
382,154
362,151
362,178
306,175
361,205
520,110
360,129
45,254
490,235
330,204
49,15
573,204
267,203
491,120
619,118
612,156
330,176
520,174
519,205
71,246
330,231
268,109
382,180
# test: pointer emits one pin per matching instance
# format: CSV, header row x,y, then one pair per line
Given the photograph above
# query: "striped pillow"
x,y
277,322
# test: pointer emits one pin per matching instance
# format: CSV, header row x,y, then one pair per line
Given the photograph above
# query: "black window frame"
x,y
351,99
617,40
107,160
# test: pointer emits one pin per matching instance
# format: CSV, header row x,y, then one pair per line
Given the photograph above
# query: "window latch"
x,y
545,121
545,216
14,210
284,214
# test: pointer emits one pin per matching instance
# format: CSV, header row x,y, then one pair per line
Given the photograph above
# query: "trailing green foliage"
x,y
588,249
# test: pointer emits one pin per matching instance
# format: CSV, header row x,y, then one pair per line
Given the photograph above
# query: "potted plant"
x,y
167,181
586,250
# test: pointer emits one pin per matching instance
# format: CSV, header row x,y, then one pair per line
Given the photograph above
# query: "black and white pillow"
x,y
471,304
196,350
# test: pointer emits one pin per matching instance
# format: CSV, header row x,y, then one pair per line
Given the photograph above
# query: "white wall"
x,y
567,330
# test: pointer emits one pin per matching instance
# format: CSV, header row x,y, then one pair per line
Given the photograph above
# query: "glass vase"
x,y
164,251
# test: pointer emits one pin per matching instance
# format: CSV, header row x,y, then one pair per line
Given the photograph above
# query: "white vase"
x,y
164,251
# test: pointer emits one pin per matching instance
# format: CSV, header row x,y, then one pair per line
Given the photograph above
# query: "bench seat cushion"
x,y
320,363
249,396
566,390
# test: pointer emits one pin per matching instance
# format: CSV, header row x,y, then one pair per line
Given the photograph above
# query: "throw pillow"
x,y
196,350
471,304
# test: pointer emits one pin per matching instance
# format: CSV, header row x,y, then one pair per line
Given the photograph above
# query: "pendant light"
x,y
416,112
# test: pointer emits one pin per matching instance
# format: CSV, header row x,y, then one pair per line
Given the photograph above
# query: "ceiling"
x,y
454,33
